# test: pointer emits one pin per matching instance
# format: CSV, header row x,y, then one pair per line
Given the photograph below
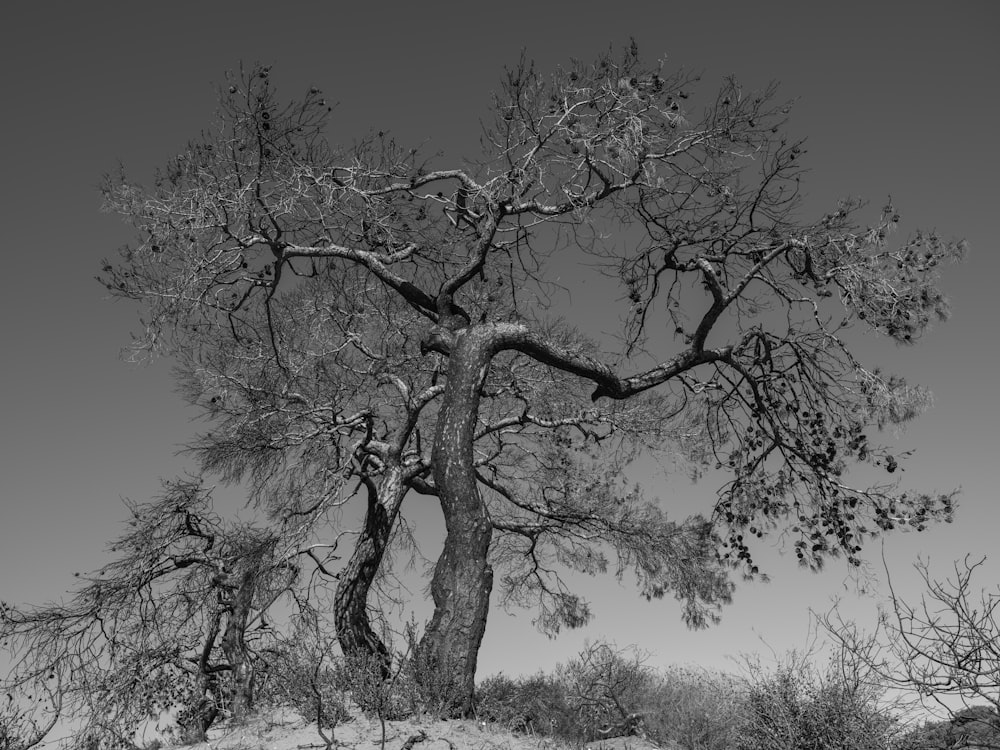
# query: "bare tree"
x,y
173,623
738,312
945,648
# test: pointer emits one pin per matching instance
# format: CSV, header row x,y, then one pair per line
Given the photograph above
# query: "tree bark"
x,y
197,718
350,607
234,644
463,577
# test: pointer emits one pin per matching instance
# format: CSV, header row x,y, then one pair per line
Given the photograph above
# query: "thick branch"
x,y
519,337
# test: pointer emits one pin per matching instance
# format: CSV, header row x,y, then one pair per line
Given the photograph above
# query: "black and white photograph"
x,y
500,376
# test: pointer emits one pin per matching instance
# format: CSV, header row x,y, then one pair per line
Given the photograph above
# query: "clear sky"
x,y
896,98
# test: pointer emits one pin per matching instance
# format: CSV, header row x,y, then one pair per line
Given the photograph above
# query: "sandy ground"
x,y
284,731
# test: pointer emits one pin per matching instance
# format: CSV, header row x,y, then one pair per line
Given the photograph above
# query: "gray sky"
x,y
895,97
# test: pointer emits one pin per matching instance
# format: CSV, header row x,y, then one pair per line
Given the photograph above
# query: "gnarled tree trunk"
x,y
234,644
350,607
463,577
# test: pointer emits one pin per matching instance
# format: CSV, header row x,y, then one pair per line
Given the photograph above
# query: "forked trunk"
x,y
463,577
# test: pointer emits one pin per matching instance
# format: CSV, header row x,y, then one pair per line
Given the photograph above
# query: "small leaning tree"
x,y
175,622
374,314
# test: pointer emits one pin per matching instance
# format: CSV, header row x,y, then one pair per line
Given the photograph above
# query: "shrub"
x,y
695,708
427,682
530,705
390,698
301,675
10,739
975,726
796,707
606,689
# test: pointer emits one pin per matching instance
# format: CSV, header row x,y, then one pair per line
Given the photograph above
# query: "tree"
x,y
311,392
945,649
175,622
355,301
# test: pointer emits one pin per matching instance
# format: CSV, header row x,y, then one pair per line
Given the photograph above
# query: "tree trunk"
x,y
350,605
234,644
200,715
463,577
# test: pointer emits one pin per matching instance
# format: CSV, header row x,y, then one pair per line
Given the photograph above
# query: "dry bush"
x,y
388,697
534,705
10,733
311,685
606,692
606,687
427,679
696,708
301,673
973,727
798,706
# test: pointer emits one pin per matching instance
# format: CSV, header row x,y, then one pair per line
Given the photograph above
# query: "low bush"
x,y
797,706
529,705
695,708
606,692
